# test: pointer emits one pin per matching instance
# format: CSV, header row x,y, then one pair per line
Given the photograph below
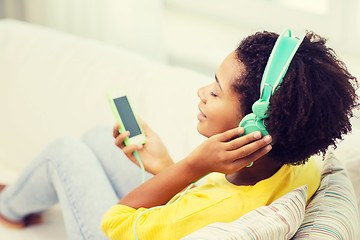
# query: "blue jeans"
x,y
87,177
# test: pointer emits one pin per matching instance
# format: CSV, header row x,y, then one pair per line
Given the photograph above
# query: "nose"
x,y
201,94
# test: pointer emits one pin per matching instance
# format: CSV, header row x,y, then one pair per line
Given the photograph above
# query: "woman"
x,y
308,113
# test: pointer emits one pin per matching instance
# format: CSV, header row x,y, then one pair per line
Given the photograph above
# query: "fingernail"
x,y
257,135
139,147
268,139
268,147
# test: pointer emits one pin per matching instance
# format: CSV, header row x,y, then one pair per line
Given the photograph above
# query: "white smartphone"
x,y
124,115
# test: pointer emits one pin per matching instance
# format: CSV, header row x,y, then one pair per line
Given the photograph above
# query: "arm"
x,y
216,154
162,187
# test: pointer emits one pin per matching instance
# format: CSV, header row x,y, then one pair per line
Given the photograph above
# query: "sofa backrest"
x,y
54,84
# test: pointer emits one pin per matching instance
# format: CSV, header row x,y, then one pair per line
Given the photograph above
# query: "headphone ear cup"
x,y
260,108
248,123
251,123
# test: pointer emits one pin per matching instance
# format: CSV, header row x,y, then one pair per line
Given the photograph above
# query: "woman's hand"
x,y
227,153
153,153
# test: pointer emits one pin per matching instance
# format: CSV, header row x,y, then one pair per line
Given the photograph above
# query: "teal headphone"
x,y
280,58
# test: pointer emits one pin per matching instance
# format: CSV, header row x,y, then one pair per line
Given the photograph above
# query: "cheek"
x,y
231,121
227,118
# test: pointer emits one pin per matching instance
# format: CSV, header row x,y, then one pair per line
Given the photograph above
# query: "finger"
x,y
128,150
251,148
228,135
142,121
119,141
145,126
243,162
243,140
116,130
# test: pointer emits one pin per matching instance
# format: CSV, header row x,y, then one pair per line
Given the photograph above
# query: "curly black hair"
x,y
312,108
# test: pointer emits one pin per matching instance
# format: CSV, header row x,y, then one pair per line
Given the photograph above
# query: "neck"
x,y
262,168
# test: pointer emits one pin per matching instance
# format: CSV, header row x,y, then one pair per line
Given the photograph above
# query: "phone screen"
x,y
127,115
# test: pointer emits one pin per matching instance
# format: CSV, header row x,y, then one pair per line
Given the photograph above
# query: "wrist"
x,y
194,169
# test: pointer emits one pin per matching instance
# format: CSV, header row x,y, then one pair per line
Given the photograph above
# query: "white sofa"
x,y
53,84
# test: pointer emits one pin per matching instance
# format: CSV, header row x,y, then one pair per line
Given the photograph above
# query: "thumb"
x,y
144,125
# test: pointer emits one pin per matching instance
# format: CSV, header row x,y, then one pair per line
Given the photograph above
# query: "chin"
x,y
203,131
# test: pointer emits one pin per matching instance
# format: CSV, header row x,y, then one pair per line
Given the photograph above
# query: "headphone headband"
x,y
278,63
280,58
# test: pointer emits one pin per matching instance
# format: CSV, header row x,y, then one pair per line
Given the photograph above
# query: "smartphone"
x,y
124,115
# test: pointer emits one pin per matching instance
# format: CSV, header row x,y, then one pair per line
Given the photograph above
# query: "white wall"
x,y
195,34
136,25
204,31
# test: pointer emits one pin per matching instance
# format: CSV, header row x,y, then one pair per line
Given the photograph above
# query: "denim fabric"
x,y
86,176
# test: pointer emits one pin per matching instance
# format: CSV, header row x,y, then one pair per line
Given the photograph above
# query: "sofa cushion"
x,y
333,211
348,152
279,220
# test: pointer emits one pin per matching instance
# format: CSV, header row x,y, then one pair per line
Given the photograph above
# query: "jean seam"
x,y
68,194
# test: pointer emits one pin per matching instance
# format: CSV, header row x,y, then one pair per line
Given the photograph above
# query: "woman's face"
x,y
220,105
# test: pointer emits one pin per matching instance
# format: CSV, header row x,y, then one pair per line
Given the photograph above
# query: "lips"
x,y
201,116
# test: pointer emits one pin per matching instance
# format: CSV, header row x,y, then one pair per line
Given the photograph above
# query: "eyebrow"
x,y
217,80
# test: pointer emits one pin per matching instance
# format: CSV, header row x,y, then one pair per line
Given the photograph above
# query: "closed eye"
x,y
213,94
